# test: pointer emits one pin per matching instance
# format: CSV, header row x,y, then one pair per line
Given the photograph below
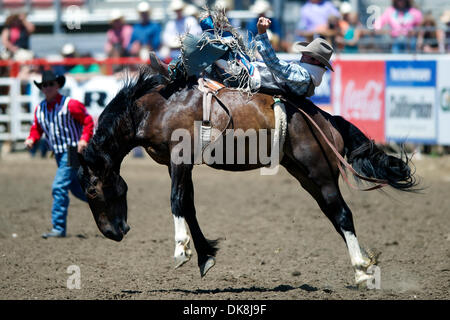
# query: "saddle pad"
x,y
213,85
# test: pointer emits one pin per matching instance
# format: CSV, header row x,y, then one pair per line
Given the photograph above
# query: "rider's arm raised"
x,y
290,71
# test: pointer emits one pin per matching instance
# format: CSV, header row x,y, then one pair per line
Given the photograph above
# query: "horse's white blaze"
x,y
182,252
354,249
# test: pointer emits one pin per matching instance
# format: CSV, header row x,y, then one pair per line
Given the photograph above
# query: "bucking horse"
x,y
149,109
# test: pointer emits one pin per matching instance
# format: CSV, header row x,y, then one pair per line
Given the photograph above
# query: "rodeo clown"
x,y
68,128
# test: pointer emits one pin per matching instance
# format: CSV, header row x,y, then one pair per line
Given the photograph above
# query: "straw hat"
x,y
319,49
115,14
176,5
143,7
67,49
345,8
260,7
191,10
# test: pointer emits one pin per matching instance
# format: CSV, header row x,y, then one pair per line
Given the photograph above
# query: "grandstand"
x,y
54,21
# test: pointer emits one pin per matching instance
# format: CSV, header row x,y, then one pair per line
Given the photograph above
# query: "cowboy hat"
x,y
191,10
68,49
260,7
177,5
143,7
345,8
116,14
48,76
319,49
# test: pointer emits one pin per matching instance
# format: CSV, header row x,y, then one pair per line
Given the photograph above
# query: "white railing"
x,y
14,122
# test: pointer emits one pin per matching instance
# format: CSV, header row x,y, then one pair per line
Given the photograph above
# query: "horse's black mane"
x,y
117,118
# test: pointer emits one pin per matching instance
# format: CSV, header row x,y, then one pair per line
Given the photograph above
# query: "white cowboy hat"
x,y
67,49
176,5
143,7
345,8
190,10
115,15
260,7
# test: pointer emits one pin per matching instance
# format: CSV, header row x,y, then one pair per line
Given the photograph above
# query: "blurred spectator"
x,y
176,28
85,71
445,19
16,37
263,8
80,72
146,35
350,37
345,9
119,36
314,18
430,38
331,31
402,18
67,51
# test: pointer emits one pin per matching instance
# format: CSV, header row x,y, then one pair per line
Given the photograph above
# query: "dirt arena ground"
x,y
276,243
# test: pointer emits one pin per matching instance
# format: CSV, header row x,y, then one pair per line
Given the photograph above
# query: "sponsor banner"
x,y
410,73
358,95
95,93
411,101
443,103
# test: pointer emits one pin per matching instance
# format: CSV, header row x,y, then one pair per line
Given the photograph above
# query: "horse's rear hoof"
x,y
209,263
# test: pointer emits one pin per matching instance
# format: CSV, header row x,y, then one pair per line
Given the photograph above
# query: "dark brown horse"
x,y
148,111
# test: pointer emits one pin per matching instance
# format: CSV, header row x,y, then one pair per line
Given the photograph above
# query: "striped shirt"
x,y
64,122
294,76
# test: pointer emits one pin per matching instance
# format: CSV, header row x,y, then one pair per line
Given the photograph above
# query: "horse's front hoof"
x,y
182,253
209,263
182,258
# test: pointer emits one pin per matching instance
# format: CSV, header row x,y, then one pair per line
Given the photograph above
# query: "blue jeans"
x,y
404,45
65,179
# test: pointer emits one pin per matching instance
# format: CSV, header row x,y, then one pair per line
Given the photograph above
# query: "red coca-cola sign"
x,y
358,95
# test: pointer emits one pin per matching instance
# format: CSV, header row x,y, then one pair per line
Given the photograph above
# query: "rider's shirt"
x,y
297,78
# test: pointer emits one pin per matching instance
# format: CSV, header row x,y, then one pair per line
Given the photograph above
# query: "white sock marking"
x,y
353,248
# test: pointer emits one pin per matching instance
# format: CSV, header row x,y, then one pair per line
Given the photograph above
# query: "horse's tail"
x,y
370,161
